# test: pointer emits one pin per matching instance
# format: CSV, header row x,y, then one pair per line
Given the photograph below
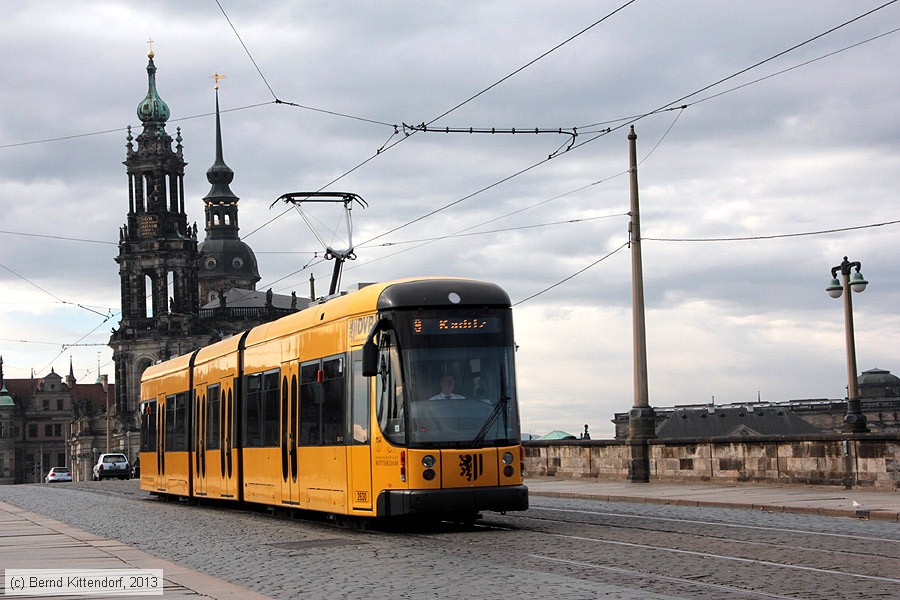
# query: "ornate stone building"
x,y
165,275
39,420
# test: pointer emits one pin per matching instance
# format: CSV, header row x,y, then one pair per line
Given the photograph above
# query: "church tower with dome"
x,y
157,256
225,261
177,295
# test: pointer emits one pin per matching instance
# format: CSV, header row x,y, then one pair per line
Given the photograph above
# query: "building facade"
x,y
39,425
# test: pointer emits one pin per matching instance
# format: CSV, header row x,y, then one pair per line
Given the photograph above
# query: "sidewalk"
x,y
820,500
29,540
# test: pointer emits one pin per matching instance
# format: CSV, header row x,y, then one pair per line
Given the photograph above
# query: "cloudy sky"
x,y
787,154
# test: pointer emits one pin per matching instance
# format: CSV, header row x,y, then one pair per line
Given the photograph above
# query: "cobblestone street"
x,y
569,548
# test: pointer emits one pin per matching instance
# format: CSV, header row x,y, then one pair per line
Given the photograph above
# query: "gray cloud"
x,y
813,149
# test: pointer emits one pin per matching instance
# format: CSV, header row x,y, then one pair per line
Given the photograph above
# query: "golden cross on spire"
x,y
217,77
150,44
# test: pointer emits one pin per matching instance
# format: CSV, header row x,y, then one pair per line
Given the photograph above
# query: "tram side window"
x,y
181,408
359,403
212,417
261,411
271,409
170,423
253,411
310,403
333,407
148,426
322,402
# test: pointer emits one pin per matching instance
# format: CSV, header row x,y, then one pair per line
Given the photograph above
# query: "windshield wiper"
x,y
502,404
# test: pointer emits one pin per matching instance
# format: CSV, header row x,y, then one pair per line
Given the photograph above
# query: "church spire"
x,y
225,261
153,111
219,174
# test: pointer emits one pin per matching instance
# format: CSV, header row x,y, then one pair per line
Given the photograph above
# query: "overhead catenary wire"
x,y
710,239
387,145
773,236
572,276
52,295
623,123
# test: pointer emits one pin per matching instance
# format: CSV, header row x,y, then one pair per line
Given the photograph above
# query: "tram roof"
x,y
365,300
166,367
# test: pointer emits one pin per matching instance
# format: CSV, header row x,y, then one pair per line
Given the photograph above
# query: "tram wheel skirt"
x,y
421,502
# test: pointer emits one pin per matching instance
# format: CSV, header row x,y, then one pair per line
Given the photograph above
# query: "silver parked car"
x,y
58,474
112,465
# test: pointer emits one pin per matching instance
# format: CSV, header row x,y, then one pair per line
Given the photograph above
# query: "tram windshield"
x,y
450,382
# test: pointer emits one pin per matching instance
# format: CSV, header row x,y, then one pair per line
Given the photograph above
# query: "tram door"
x,y
225,416
161,444
199,449
149,445
359,460
290,491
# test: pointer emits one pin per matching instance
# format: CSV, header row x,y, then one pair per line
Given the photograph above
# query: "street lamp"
x,y
104,381
854,420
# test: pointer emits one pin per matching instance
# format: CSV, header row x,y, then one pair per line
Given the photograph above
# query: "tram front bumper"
x,y
421,502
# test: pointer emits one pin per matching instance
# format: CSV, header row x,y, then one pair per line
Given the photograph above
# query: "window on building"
x,y
32,430
59,404
46,404
57,430
48,430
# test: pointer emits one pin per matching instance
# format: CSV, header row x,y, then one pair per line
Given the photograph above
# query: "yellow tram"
x,y
395,399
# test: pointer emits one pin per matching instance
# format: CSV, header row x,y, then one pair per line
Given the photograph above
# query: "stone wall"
x,y
861,461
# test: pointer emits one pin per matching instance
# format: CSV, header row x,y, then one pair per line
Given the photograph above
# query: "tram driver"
x,y
446,392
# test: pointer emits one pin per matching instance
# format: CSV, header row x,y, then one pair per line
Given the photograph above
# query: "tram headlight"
x,y
428,461
507,458
508,471
428,474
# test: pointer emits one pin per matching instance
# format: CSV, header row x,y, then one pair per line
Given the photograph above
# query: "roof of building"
x,y
95,394
238,298
877,376
558,435
5,398
24,390
714,421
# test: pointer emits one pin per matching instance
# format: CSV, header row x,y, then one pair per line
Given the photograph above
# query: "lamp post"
x,y
641,418
854,420
104,381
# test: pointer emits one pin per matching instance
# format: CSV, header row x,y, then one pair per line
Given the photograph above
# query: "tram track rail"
x,y
883,543
710,560
845,561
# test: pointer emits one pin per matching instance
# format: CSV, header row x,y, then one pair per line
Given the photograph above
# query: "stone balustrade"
x,y
868,460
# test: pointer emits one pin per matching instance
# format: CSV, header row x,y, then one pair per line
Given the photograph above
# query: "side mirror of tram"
x,y
370,359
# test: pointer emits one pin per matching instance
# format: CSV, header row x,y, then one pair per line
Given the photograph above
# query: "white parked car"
x,y
112,465
58,474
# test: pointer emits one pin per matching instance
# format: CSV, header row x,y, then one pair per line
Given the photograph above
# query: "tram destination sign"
x,y
456,325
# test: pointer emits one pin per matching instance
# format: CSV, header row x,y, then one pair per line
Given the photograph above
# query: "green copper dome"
x,y
152,108
5,398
